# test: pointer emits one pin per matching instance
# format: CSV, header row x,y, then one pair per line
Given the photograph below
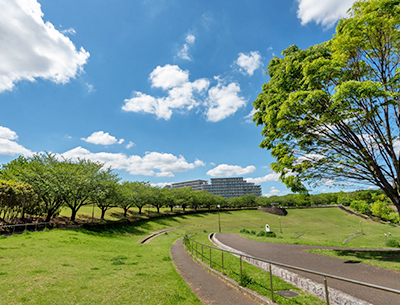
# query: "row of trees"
x,y
40,186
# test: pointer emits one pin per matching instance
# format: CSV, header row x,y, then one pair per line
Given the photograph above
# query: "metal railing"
x,y
190,242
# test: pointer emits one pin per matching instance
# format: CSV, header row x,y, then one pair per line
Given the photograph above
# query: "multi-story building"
x,y
225,187
196,185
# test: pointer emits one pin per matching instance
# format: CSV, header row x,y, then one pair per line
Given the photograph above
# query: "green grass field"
x,y
75,266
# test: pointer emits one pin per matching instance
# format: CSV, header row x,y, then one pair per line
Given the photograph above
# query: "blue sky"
x,y
160,90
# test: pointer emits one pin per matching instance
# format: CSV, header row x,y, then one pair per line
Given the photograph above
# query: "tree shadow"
x,y
385,255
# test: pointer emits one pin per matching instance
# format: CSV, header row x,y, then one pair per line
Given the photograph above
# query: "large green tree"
x,y
331,112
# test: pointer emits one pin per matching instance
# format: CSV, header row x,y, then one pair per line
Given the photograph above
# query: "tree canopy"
x,y
331,113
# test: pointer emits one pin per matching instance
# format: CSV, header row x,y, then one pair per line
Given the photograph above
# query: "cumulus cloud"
x,y
270,177
248,63
8,146
32,48
184,52
325,12
168,77
151,164
273,191
225,170
102,138
181,93
223,101
7,133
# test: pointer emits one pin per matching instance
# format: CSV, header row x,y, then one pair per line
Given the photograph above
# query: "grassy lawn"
x,y
76,266
385,259
324,227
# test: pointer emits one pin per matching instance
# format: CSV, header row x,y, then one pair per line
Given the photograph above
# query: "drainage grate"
x,y
287,293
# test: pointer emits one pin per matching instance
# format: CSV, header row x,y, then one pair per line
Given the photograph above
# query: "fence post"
x,y
210,259
222,261
270,279
326,290
196,250
241,267
202,255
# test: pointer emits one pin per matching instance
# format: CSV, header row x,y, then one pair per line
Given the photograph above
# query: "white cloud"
x,y
270,177
102,138
325,12
11,148
181,93
230,170
328,182
6,133
249,118
249,63
273,191
313,158
69,31
184,52
168,77
160,184
90,87
223,101
8,146
130,144
32,48
151,164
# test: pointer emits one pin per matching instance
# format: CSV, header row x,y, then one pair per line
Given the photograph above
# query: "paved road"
x,y
208,287
297,255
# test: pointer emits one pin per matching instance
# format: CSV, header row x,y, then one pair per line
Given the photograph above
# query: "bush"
x,y
392,243
361,206
244,231
262,233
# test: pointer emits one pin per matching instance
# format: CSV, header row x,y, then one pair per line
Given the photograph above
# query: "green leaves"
x,y
338,100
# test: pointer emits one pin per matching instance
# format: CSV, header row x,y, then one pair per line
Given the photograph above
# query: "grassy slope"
x,y
76,266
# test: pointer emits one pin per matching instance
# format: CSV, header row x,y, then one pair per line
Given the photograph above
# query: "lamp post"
x,y
219,219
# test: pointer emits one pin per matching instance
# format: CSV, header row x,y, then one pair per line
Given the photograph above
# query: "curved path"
x,y
208,287
297,255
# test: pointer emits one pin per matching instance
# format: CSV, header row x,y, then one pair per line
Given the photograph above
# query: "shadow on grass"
x,y
385,256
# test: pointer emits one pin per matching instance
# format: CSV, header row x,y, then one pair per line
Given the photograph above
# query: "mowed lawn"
x,y
110,267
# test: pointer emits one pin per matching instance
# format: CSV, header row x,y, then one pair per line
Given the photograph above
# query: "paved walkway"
x,y
207,286
297,255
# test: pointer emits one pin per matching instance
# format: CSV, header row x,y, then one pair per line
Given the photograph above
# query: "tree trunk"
x,y
103,213
140,210
73,214
158,210
171,208
125,212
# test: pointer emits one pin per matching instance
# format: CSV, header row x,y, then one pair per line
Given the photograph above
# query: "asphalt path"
x,y
297,255
208,287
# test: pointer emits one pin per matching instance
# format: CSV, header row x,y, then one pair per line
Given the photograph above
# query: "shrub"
x,y
266,234
244,231
392,243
